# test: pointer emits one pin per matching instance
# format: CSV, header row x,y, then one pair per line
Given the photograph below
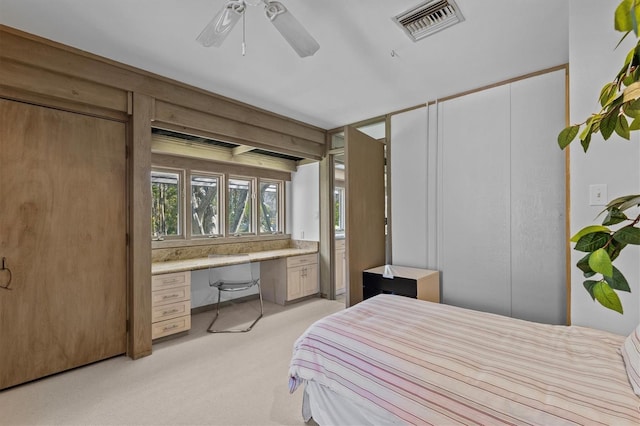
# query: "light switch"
x,y
598,194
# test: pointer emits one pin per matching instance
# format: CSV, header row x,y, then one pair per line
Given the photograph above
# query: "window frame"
x,y
280,205
201,167
180,227
221,204
252,194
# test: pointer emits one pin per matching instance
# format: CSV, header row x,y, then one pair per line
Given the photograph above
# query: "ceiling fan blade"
x,y
292,31
221,25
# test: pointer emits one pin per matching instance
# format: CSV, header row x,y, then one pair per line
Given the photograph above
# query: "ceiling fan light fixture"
x,y
221,25
291,29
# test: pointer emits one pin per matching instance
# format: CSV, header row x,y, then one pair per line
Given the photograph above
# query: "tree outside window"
x,y
205,202
239,203
269,212
165,208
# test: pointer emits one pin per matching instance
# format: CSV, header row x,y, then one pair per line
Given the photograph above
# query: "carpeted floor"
x,y
196,379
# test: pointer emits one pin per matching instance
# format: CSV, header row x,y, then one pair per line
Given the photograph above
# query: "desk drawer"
x,y
173,310
305,259
171,295
164,281
175,325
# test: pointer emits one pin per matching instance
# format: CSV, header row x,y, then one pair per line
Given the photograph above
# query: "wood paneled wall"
x,y
40,71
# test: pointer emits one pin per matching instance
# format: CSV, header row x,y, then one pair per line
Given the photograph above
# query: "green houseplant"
x,y
620,114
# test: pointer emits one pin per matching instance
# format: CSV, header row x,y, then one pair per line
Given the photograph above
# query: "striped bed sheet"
x,y
425,363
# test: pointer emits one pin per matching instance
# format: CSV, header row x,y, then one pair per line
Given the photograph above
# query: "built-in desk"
x,y
170,266
171,282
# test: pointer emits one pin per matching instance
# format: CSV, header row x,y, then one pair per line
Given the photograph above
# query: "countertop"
x,y
224,260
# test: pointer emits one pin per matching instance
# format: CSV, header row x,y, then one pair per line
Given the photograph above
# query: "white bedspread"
x,y
428,363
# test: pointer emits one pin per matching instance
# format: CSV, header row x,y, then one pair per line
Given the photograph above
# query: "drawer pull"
x,y
170,296
172,311
170,327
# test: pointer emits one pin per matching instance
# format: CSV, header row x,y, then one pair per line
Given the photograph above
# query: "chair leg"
x,y
217,313
244,330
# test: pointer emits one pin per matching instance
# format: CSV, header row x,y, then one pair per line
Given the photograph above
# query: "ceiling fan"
x,y
221,25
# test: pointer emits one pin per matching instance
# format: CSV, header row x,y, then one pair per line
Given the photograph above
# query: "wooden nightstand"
x,y
423,284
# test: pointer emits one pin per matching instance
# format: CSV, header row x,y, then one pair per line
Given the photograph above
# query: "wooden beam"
x,y
173,146
254,136
239,150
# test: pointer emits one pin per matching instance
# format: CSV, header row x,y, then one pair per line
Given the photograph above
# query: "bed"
x,y
396,360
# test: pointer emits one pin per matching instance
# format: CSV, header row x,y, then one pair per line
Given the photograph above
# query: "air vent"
x,y
428,18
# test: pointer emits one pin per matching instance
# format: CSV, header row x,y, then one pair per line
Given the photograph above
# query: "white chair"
x,y
234,278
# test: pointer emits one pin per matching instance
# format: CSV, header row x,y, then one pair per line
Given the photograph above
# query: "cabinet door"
x,y
294,282
310,280
62,232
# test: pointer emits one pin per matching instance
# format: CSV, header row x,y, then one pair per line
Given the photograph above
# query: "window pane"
x,y
165,194
205,199
269,196
239,206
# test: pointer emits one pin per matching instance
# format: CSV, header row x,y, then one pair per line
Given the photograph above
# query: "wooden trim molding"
x,y
139,344
76,75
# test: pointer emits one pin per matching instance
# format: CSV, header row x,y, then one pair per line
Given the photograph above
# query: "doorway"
x,y
357,207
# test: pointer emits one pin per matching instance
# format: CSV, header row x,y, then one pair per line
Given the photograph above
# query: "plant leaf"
x,y
589,285
614,248
632,109
617,281
622,127
607,297
608,125
589,230
567,135
600,262
614,217
592,242
626,17
628,235
631,202
585,142
617,202
635,124
583,265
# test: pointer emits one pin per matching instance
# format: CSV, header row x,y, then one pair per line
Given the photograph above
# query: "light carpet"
x,y
195,379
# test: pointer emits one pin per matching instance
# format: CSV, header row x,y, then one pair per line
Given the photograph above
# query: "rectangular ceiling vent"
x,y
428,18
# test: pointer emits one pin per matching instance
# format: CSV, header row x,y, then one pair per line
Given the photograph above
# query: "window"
x,y
205,206
240,203
165,208
269,207
338,209
197,205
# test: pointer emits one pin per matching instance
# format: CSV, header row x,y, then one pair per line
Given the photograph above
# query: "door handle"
x,y
5,275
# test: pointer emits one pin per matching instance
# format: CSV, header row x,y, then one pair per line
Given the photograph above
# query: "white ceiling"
x,y
351,78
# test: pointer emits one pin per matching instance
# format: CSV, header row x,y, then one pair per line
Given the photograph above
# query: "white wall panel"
x,y
474,136
538,261
305,203
409,188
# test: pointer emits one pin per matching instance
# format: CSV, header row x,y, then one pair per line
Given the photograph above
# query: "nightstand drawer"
x,y
173,310
165,328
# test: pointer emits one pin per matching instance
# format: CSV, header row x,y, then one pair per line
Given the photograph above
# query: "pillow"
x,y
630,351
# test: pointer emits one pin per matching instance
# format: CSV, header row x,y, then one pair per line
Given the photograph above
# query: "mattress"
x,y
414,362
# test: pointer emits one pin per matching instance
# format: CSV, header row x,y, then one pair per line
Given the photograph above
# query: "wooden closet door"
x,y
62,232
